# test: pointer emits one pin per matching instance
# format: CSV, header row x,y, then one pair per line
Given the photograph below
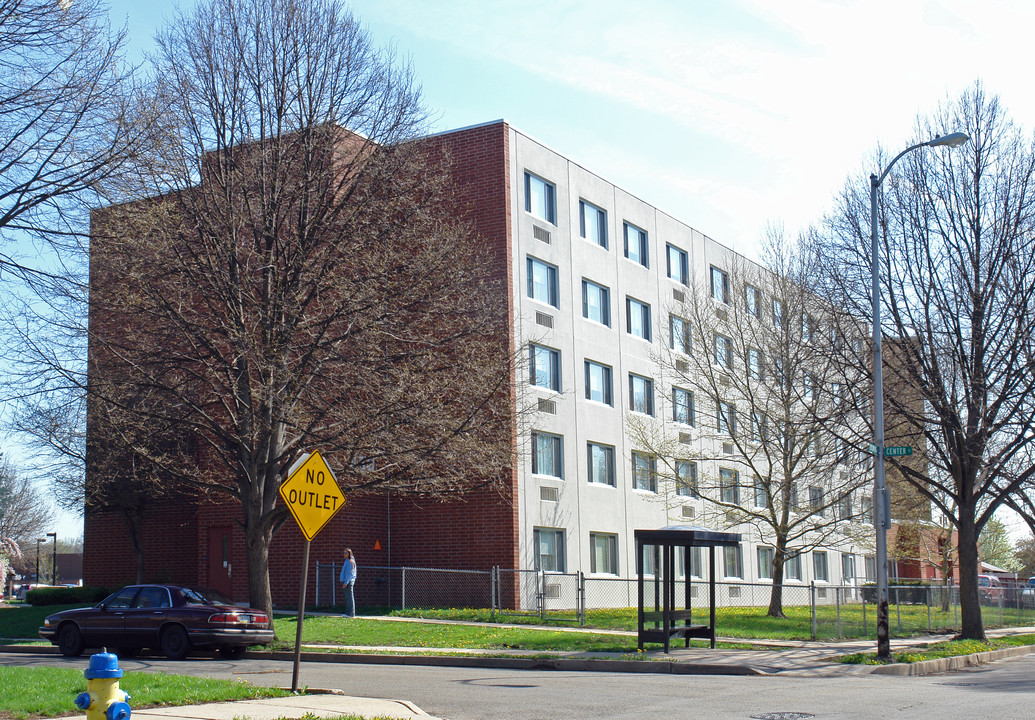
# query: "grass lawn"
x,y
951,648
24,621
47,692
856,620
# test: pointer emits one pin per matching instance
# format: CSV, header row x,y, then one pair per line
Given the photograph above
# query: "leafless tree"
x,y
24,514
771,404
957,272
65,124
307,286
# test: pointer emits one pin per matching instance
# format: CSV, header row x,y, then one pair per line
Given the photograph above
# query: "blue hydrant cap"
x,y
103,665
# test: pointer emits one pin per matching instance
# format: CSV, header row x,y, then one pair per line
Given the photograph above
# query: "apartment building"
x,y
592,274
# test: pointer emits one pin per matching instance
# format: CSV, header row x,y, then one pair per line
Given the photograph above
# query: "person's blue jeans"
x,y
350,599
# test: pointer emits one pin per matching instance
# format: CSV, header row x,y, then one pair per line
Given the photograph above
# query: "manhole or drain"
x,y
782,716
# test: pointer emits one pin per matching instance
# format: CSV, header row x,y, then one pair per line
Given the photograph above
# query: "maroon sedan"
x,y
169,618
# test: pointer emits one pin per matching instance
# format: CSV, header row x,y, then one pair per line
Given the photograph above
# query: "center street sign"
x,y
312,494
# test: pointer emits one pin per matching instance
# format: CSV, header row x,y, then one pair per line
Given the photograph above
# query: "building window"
x,y
596,302
761,493
870,568
682,406
808,389
792,496
686,478
759,427
636,245
601,464
845,506
847,567
723,351
645,472
792,566
598,383
540,198
647,559
678,334
733,565
678,265
637,316
547,454
549,549
866,515
777,313
729,486
816,501
753,301
545,367
696,562
727,416
756,368
641,394
593,223
542,282
604,558
720,285
819,565
765,563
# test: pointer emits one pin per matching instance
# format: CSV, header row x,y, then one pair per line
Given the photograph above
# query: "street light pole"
x,y
38,541
54,559
881,498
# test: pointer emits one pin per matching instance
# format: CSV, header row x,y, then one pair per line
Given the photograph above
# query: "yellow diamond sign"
x,y
312,494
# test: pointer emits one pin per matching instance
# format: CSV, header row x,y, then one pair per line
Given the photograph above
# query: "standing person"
x,y
348,581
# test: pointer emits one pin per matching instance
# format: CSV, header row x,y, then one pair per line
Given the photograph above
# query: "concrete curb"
x,y
958,662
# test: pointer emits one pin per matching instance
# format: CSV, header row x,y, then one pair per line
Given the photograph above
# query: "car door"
x,y
144,619
106,625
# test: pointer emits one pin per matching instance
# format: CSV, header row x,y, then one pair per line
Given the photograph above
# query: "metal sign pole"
x,y
301,617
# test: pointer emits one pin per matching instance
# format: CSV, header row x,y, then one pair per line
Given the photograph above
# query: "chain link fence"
x,y
830,611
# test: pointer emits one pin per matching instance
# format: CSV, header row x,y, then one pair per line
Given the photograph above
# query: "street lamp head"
x,y
951,140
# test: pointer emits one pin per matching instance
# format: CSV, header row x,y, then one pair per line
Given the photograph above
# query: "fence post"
x,y
492,592
865,631
403,589
582,598
837,601
927,597
317,583
334,586
540,593
812,603
898,609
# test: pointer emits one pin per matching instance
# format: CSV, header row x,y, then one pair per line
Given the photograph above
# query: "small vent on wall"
x,y
688,511
548,494
541,234
685,438
734,591
547,406
544,319
552,590
821,593
678,295
682,366
727,448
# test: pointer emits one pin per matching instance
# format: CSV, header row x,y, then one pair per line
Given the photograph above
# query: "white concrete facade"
x,y
571,506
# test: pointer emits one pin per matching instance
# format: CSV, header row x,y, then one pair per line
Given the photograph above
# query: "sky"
x,y
726,115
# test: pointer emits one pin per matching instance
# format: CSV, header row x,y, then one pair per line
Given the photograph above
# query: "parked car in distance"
x,y
169,618
1028,594
990,590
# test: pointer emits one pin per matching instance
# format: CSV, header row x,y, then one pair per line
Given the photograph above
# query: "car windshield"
x,y
205,596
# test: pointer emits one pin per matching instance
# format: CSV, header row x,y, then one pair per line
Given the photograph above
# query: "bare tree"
x,y
307,286
24,514
753,369
65,123
957,268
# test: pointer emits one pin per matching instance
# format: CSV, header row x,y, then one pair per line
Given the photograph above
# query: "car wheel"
x,y
232,652
175,643
70,641
127,652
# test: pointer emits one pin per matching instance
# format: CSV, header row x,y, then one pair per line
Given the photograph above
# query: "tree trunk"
x,y
972,626
776,594
257,545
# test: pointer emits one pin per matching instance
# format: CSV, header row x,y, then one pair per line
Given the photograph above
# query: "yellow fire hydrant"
x,y
103,700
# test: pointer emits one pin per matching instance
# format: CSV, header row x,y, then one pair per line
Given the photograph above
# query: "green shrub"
x,y
66,595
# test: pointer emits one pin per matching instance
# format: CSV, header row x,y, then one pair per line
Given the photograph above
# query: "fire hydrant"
x,y
103,700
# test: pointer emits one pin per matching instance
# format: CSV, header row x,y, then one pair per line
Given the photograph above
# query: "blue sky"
x,y
727,115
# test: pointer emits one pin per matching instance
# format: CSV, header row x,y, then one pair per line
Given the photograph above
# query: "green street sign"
x,y
897,451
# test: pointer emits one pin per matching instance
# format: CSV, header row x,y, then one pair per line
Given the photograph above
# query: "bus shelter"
x,y
662,615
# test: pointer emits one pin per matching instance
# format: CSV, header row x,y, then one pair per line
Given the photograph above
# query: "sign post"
x,y
312,494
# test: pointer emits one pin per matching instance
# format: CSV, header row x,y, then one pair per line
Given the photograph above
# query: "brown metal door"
x,y
220,569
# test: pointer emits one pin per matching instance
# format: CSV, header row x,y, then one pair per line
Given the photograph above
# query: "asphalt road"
x,y
1003,690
